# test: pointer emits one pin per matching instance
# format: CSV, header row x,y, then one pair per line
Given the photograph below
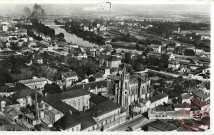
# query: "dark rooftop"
x,y
104,107
66,122
158,97
97,99
162,126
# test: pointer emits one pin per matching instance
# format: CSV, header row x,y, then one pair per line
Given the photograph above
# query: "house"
x,y
38,59
105,71
69,78
108,114
78,99
8,103
38,83
23,97
158,100
186,98
174,65
113,61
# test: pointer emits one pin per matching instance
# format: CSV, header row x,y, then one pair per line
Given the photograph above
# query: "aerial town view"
x,y
105,67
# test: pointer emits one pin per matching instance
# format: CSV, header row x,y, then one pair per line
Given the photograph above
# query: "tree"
x,y
51,88
14,46
189,52
60,35
137,47
5,76
128,58
164,61
107,48
91,79
137,66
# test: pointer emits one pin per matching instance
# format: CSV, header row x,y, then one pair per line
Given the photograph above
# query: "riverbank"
x,y
89,36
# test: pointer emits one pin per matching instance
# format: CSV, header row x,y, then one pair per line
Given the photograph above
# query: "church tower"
x,y
123,92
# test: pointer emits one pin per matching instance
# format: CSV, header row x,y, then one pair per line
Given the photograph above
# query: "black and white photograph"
x,y
105,66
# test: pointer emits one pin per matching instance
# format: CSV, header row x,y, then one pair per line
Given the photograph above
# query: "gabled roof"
x,y
66,122
158,97
59,105
70,94
104,107
86,121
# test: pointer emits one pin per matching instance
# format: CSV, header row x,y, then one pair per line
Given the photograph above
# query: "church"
x,y
126,89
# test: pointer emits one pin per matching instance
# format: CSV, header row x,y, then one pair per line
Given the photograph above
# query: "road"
x,y
177,75
137,121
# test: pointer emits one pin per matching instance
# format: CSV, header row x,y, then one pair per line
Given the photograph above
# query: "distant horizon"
x,y
66,9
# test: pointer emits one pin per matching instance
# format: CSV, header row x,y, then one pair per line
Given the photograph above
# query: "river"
x,y
68,36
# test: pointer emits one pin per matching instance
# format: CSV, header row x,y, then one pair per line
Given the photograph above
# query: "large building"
x,y
128,89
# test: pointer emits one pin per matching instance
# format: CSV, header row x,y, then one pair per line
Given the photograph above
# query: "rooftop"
x,y
58,104
97,99
162,126
33,80
104,107
88,86
22,93
70,94
185,96
66,122
158,97
202,94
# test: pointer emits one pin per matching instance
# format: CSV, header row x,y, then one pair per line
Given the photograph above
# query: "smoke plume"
x,y
27,11
38,11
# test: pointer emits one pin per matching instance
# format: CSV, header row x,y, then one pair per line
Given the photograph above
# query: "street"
x,y
138,121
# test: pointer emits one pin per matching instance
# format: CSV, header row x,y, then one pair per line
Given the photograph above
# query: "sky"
x,y
62,9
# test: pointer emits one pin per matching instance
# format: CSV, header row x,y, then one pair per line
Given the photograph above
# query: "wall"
x,y
79,102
